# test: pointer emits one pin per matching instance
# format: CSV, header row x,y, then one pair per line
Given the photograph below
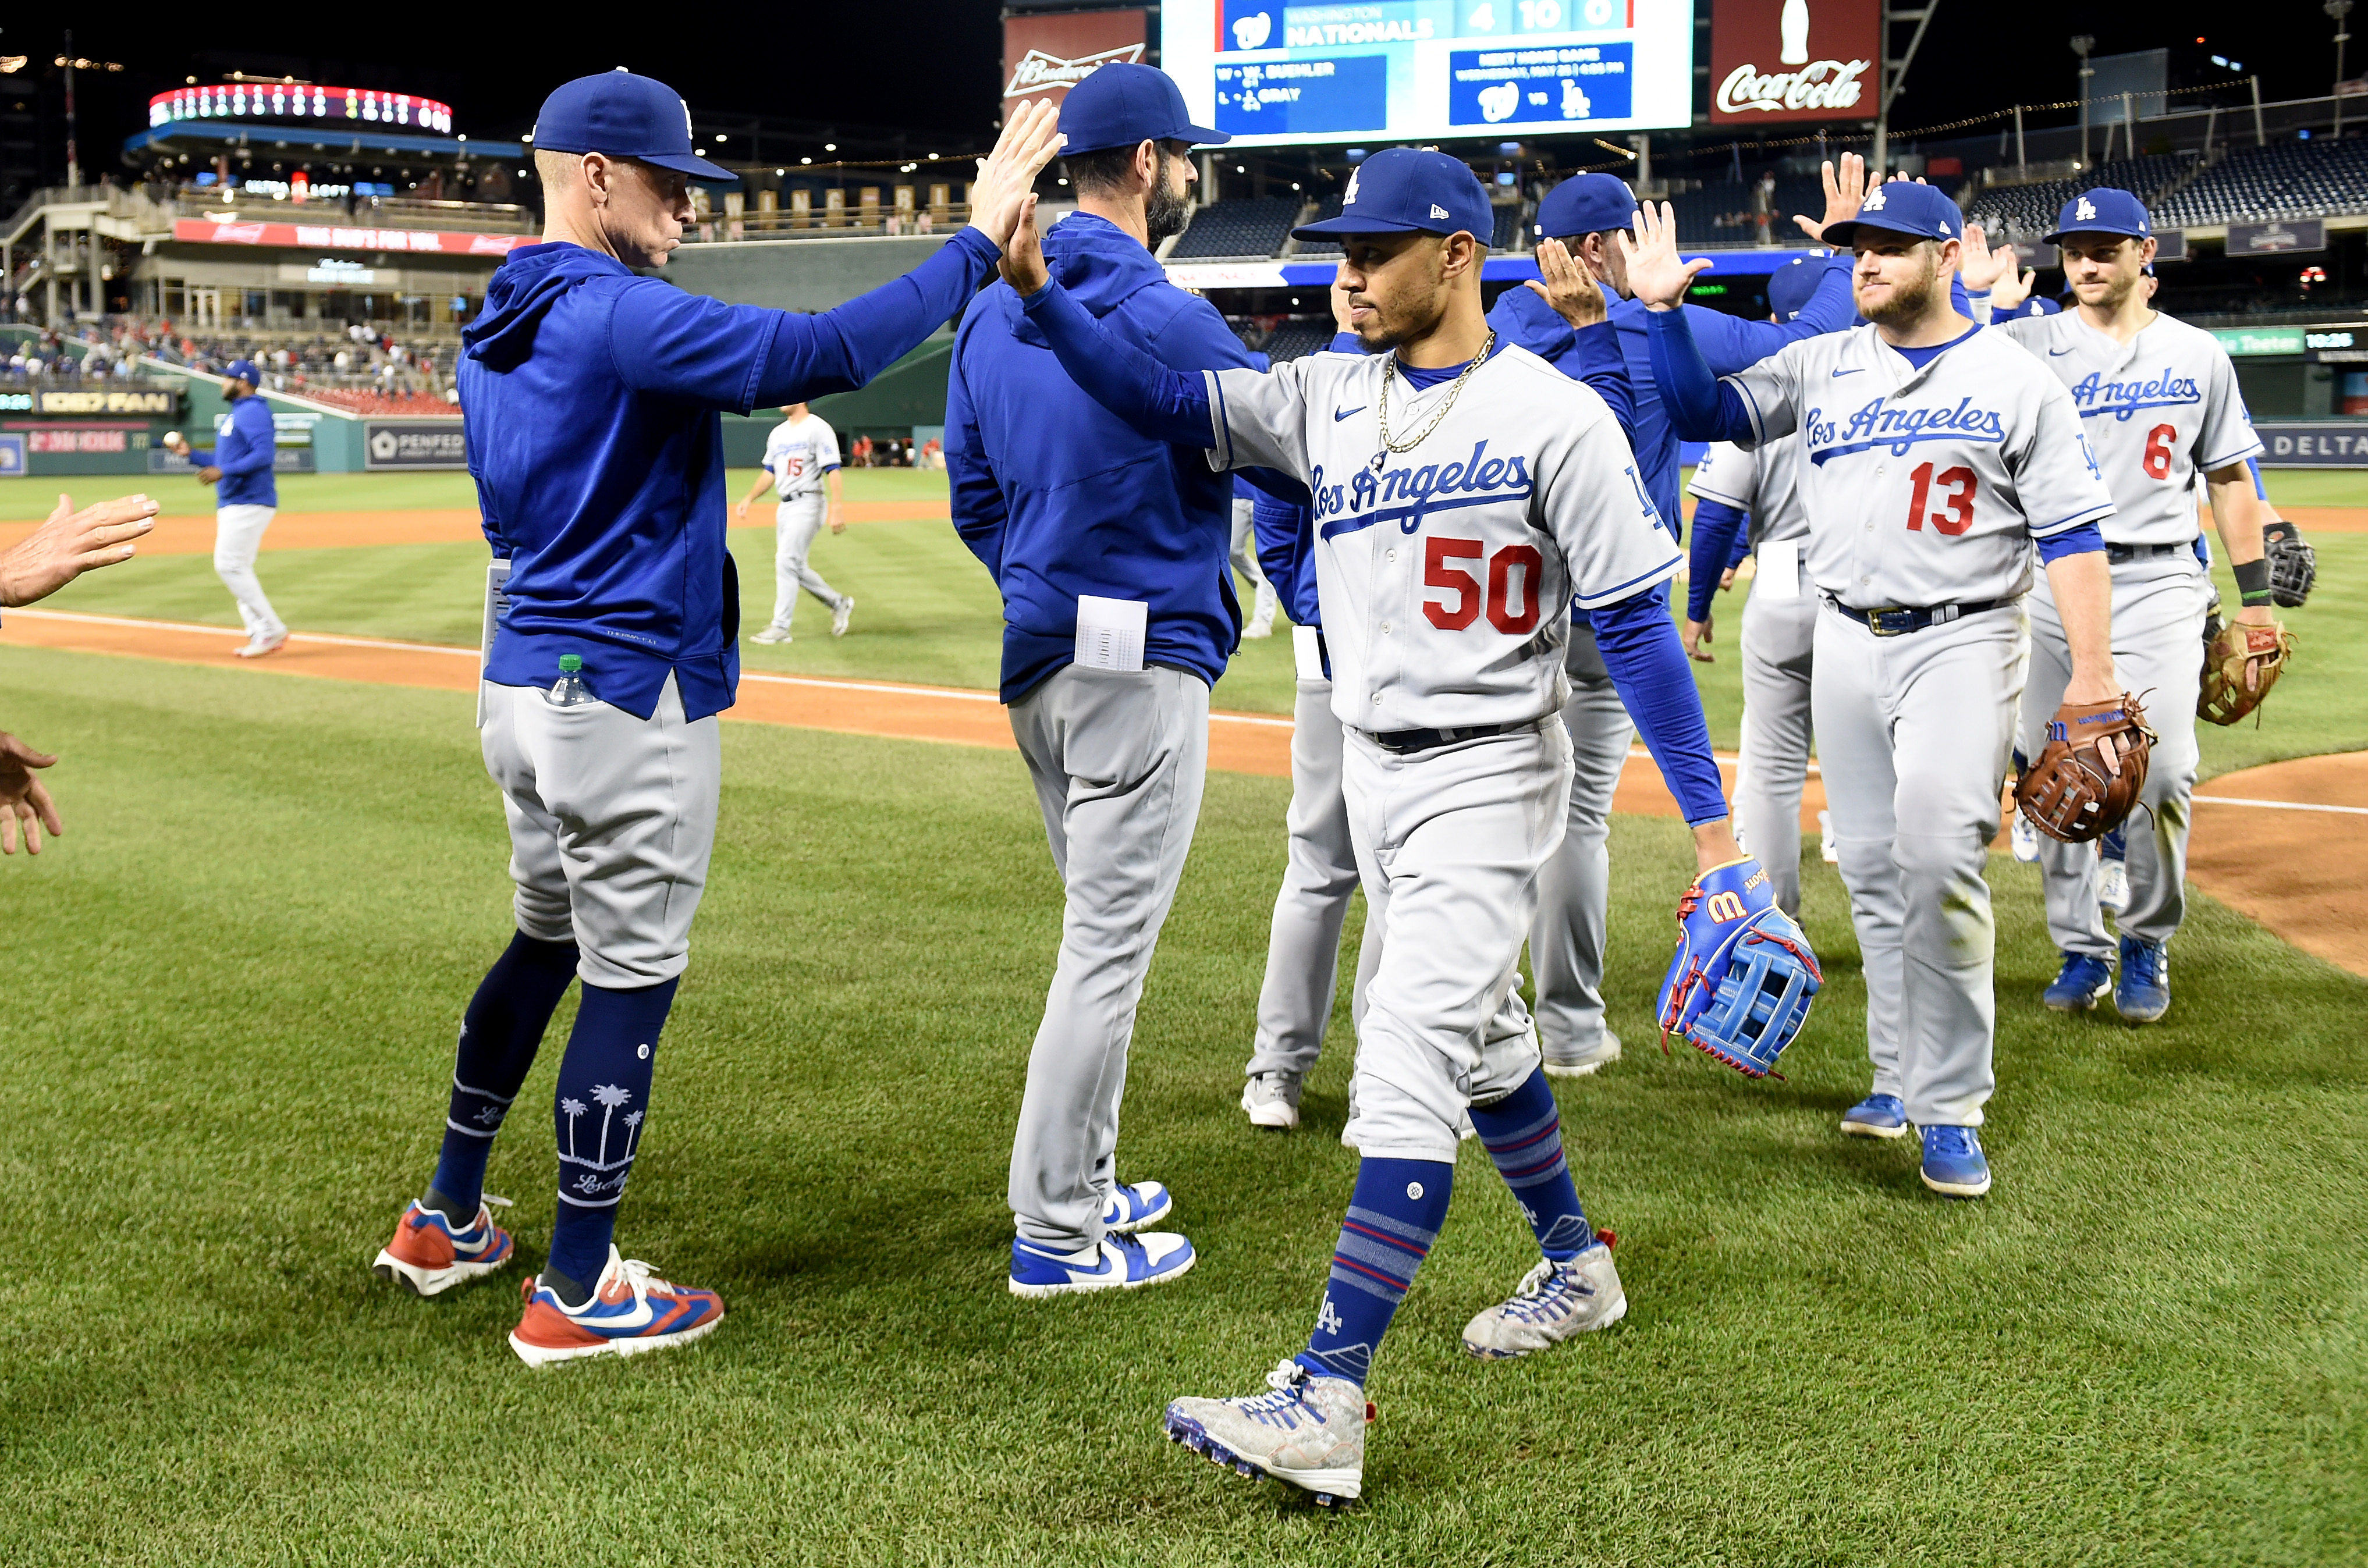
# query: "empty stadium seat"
x,y
2026,211
1237,231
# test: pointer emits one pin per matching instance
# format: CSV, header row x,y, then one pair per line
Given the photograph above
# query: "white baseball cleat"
x,y
2112,886
1827,850
2025,839
264,642
1604,1053
1554,1301
839,617
1310,1433
1271,1099
772,634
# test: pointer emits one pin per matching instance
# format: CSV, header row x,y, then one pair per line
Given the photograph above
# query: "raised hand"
x,y
1568,286
1656,274
23,799
1023,253
2011,290
1845,189
1008,174
1980,266
71,543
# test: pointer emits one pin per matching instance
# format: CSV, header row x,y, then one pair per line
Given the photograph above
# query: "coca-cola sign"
x,y
1777,61
1043,57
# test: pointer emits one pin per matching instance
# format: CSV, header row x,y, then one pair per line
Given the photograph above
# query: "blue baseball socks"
x,y
499,1035
1393,1216
604,1094
1523,1135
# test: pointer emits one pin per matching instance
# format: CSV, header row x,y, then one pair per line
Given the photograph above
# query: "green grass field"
x,y
232,997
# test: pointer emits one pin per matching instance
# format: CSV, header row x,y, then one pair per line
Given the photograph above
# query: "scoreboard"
x,y
1274,74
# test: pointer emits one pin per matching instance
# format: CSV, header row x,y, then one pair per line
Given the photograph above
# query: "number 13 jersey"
x,y
1926,487
1446,573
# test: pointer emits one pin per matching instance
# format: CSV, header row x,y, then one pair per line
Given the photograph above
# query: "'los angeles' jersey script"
x,y
1446,575
799,452
2156,410
1926,487
1763,481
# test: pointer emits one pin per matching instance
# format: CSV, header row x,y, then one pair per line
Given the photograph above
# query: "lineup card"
x,y
1269,73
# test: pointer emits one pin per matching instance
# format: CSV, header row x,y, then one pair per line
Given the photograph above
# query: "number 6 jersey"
x,y
1447,572
2157,409
1926,487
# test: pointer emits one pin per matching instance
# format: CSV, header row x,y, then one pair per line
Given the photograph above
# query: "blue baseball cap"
x,y
623,116
1405,189
1902,207
2102,212
244,370
1124,104
1790,285
1585,204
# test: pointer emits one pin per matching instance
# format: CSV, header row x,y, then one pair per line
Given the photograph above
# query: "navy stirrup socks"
x,y
604,1094
499,1035
1394,1217
1523,1134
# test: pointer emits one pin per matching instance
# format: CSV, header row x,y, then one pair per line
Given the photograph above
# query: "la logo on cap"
x,y
1349,195
2088,209
1873,202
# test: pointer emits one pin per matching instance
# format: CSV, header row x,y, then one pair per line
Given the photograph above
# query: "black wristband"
x,y
2252,581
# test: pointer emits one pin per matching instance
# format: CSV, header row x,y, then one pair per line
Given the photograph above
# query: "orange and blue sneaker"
x,y
631,1310
428,1256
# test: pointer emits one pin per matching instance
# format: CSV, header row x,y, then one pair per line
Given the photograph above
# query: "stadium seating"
x,y
1328,209
1297,338
2285,179
1237,231
354,400
2027,212
1722,212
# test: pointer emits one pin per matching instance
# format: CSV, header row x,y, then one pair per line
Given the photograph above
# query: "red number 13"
x,y
1959,501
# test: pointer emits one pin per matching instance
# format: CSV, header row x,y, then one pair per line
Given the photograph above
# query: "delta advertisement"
x,y
1785,62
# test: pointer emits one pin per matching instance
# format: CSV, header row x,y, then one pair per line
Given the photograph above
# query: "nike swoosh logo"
x,y
1340,414
2057,353
1838,374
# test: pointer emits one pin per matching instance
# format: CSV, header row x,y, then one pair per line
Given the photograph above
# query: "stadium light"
x,y
830,146
720,137
805,159
779,173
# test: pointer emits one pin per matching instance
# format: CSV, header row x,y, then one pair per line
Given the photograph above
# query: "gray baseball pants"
x,y
1779,636
1913,733
1567,936
1118,759
795,524
2159,602
1302,950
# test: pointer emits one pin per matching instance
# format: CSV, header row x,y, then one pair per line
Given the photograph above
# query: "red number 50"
x,y
1439,571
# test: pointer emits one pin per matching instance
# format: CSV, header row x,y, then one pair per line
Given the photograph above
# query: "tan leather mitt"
x,y
2086,783
2239,666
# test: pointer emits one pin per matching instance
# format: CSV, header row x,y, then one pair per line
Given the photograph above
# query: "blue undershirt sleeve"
x,y
1649,668
1717,528
1347,342
1163,405
2260,490
1735,343
843,349
2081,540
1598,363
1701,407
980,511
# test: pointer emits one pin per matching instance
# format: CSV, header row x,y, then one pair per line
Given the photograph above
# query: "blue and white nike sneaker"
x,y
1954,1162
1877,1116
2080,984
2144,995
1120,1263
1134,1204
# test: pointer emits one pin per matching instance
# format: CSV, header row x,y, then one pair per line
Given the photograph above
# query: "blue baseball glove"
x,y
1740,986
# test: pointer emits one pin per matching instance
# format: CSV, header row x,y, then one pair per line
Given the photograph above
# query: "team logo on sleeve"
x,y
1883,424
1406,495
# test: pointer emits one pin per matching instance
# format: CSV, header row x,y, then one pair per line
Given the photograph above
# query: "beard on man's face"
x,y
1164,208
1910,298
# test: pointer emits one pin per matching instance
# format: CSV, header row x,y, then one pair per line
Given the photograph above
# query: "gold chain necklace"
x,y
1454,391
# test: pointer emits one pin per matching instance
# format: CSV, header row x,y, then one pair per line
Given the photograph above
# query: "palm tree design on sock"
x,y
609,1097
571,1109
634,1131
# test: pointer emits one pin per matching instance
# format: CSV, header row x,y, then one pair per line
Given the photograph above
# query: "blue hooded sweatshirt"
x,y
1058,496
243,452
590,396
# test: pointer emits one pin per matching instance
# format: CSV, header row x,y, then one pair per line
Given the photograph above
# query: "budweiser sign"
x,y
1038,71
1832,86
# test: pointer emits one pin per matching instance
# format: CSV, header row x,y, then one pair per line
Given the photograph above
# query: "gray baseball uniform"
x,y
1925,487
798,454
1566,940
2159,410
1779,622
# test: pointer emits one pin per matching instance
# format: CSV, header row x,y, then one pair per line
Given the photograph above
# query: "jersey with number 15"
x,y
2158,409
1926,487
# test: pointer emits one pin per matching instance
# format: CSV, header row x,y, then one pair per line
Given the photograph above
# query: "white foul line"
x,y
2278,805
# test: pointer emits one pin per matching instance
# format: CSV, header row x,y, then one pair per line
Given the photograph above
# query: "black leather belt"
x,y
1406,742
1898,623
2118,553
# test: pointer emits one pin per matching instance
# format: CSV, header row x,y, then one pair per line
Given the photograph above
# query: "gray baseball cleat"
x,y
1579,1065
1310,1433
1554,1301
841,616
1271,1099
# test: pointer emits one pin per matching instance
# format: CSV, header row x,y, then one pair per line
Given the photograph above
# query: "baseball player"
x,y
1779,619
2160,405
1242,554
1938,459
614,649
1588,213
1110,550
801,462
1465,492
240,464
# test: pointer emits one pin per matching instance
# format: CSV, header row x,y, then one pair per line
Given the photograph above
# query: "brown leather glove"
x,y
2086,783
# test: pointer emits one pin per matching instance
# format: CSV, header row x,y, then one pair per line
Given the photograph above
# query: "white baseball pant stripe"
x,y
1302,950
1242,552
1568,933
238,537
612,819
1118,759
795,523
1913,735
2159,605
1778,637
1449,842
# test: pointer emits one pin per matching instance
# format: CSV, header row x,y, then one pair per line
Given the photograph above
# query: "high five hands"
x,y
1568,286
1003,193
1983,268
